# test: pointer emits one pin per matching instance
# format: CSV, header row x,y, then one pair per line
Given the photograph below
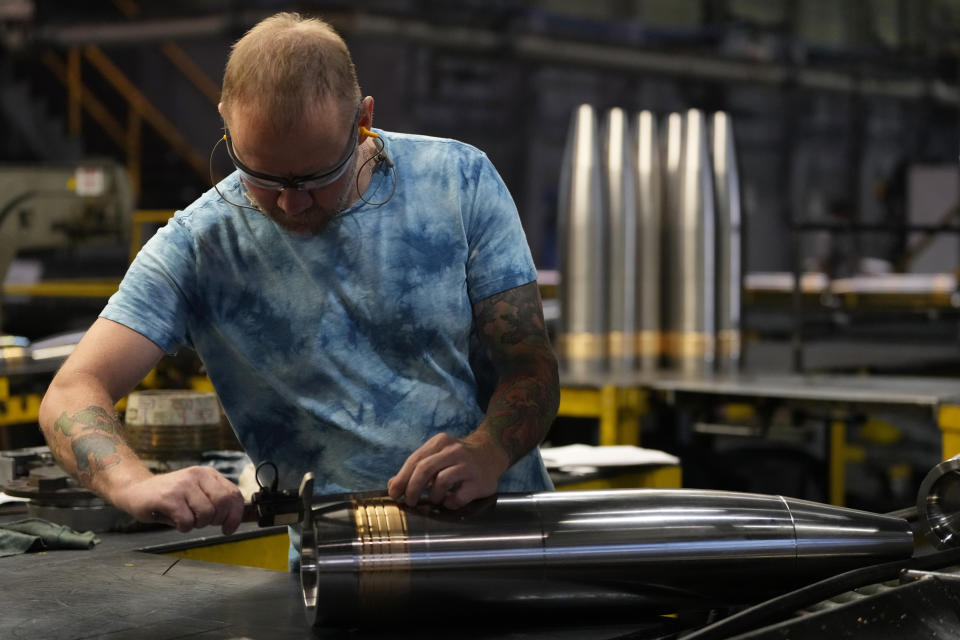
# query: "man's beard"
x,y
313,219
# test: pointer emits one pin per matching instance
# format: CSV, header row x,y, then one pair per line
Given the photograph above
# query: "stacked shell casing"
x,y
649,243
728,236
583,238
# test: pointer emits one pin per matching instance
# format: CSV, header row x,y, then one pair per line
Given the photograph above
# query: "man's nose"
x,y
293,201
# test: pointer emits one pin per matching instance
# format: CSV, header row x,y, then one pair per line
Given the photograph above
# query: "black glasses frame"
x,y
307,182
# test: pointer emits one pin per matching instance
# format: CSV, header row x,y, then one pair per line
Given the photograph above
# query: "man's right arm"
x,y
86,436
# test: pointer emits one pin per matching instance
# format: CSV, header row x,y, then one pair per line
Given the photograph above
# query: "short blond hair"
x,y
284,65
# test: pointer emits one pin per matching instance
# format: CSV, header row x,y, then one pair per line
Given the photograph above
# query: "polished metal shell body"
x,y
583,233
664,550
689,296
649,185
727,207
620,199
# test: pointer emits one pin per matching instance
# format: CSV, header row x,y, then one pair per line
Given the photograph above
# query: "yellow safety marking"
x,y
4,388
265,552
20,409
948,419
140,218
739,411
951,445
580,403
201,383
608,416
86,288
880,432
618,410
667,477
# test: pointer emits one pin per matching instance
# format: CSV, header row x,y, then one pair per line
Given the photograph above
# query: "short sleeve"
x,y
152,299
498,255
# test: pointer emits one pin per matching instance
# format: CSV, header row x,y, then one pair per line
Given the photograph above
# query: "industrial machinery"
x,y
62,207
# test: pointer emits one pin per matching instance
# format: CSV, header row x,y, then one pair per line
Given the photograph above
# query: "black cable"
x,y
782,606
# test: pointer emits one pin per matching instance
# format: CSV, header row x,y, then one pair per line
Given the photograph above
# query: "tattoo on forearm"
x,y
525,402
94,453
92,417
95,438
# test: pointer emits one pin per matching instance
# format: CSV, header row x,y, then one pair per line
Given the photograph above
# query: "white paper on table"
x,y
584,458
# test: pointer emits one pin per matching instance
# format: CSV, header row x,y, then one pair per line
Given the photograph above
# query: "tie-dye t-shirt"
x,y
343,352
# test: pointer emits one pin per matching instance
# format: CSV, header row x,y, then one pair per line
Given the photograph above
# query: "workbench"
x,y
117,591
620,401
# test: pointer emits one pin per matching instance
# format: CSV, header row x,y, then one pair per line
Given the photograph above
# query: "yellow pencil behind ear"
x,y
366,133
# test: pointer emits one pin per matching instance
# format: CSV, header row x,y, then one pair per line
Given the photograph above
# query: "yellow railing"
x,y
140,110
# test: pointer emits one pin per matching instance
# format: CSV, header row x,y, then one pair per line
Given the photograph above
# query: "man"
x,y
346,290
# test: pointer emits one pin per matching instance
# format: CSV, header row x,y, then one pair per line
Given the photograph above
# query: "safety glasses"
x,y
302,183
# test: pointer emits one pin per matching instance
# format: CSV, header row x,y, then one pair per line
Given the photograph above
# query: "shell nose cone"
x,y
844,537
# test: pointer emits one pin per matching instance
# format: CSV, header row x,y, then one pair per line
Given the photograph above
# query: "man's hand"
x,y
190,498
455,471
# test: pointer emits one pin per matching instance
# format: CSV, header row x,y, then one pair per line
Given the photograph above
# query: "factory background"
x,y
844,115
837,107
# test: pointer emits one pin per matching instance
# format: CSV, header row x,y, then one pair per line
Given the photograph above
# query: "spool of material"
x,y
581,341
172,424
367,558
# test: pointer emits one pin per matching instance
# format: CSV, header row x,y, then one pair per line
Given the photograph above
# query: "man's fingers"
x,y
203,510
408,483
184,519
397,485
447,481
188,498
426,472
460,496
232,521
226,500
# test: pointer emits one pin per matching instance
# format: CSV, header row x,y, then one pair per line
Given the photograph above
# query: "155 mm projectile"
x,y
689,219
728,259
660,550
582,340
620,198
649,185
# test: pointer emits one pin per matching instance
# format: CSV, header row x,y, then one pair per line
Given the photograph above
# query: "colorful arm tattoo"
x,y
511,328
95,437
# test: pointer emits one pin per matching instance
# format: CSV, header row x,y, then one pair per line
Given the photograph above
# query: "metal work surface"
x,y
885,390
116,592
862,389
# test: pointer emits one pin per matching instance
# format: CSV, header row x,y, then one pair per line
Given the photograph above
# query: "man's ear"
x,y
366,115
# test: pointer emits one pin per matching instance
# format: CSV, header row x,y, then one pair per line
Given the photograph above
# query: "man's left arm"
x,y
524,403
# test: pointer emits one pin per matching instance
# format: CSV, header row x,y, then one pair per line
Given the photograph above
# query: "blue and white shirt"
x,y
343,352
